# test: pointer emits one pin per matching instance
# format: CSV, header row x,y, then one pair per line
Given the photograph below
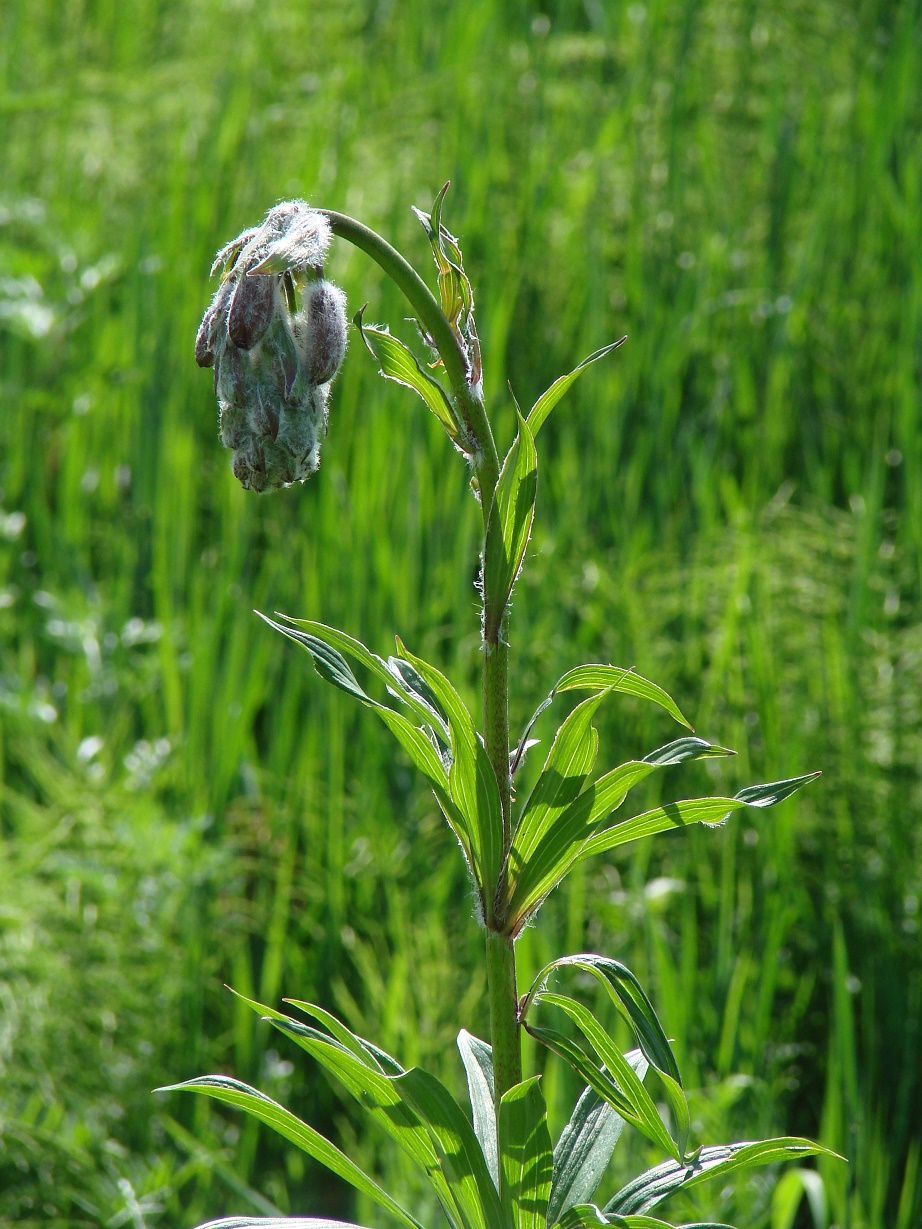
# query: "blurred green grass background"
x,y
732,503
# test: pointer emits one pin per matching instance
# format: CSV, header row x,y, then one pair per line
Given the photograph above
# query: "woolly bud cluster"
x,y
275,334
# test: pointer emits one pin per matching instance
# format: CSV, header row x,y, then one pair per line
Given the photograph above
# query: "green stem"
x,y
468,400
504,1026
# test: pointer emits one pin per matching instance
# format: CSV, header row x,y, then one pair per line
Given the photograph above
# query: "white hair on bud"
x,y
276,334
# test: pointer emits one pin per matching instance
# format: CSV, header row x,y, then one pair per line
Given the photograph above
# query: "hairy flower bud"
x,y
320,331
276,335
252,307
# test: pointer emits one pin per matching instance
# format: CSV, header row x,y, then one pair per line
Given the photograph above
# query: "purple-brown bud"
x,y
251,310
275,334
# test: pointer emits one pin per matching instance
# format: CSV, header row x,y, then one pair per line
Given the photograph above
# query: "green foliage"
x,y
789,635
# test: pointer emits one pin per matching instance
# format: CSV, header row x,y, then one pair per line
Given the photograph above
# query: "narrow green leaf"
x,y
710,811
426,759
596,677
306,633
650,1188
646,1117
277,1222
526,1157
569,761
537,870
329,664
585,1147
627,994
324,645
471,782
397,362
410,682
546,402
509,523
369,1075
596,1077
588,1216
258,1105
477,1057
460,1156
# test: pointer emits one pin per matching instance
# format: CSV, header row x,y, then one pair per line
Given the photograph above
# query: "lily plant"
x,y
275,334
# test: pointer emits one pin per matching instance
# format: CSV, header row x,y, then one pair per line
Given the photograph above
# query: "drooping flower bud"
x,y
276,335
320,331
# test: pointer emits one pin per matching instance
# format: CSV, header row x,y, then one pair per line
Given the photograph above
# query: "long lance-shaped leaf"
x,y
321,642
277,1222
546,402
710,811
525,1155
592,1073
477,1057
602,678
595,677
509,525
460,1155
397,362
588,1216
324,645
569,761
472,783
622,1071
358,1067
585,1147
562,841
650,1188
627,994
258,1105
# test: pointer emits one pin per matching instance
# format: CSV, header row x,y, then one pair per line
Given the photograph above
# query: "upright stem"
x,y
504,1026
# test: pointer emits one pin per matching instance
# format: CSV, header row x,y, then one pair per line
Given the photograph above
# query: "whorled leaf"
x,y
369,1075
545,848
602,678
472,783
633,1103
424,744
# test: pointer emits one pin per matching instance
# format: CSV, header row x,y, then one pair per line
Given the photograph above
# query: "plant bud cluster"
x,y
275,334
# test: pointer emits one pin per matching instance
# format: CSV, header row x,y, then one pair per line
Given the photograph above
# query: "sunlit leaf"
x,y
369,1075
509,523
568,763
585,1147
541,857
525,1155
472,783
460,1155
263,1108
650,1188
477,1057
591,1071
546,402
397,362
710,811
